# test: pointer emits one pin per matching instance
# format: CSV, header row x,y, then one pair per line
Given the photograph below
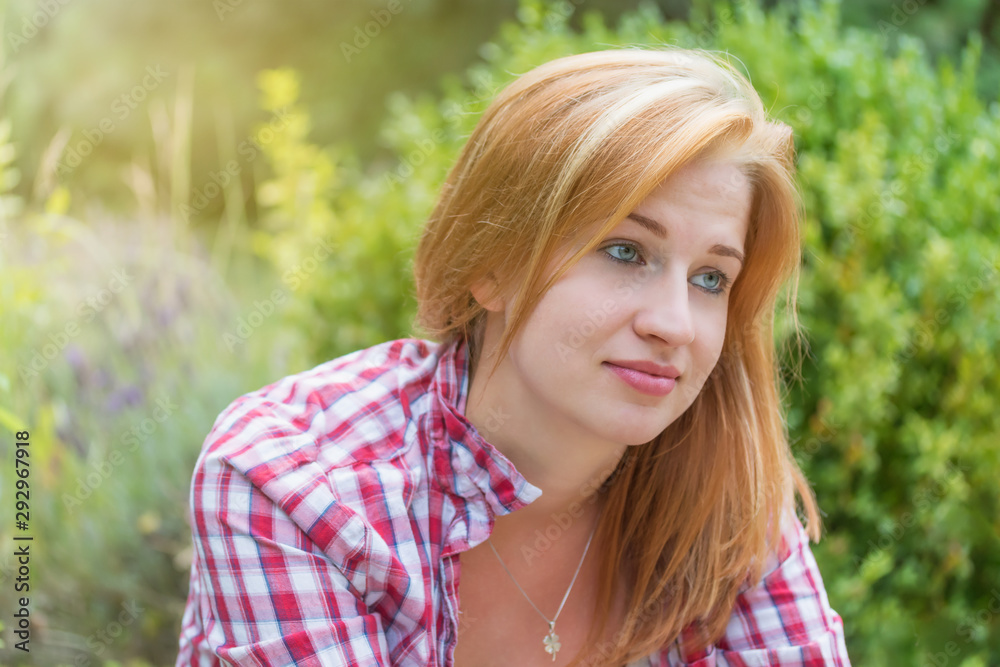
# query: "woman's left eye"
x,y
718,282
628,256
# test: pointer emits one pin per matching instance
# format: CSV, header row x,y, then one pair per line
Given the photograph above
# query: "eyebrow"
x,y
660,231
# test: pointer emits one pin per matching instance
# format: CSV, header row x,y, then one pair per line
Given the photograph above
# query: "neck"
x,y
568,464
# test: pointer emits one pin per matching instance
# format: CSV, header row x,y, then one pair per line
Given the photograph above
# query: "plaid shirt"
x,y
329,509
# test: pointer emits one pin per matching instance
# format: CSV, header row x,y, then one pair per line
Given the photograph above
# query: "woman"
x,y
590,466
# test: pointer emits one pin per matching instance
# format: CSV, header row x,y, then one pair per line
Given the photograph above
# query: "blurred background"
x,y
200,197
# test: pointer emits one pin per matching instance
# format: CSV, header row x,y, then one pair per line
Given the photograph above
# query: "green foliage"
x,y
72,75
342,249
111,381
895,420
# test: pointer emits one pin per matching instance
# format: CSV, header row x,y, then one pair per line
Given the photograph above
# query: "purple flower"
x,y
74,356
123,397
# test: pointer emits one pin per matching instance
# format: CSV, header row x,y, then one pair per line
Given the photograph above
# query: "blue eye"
x,y
631,252
720,284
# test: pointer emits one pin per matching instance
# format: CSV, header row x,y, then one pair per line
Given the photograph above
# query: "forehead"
x,y
714,186
713,196
709,197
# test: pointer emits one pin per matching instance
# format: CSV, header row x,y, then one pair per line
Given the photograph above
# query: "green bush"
x,y
895,418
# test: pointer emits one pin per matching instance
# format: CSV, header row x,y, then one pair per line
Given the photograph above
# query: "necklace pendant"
x,y
551,641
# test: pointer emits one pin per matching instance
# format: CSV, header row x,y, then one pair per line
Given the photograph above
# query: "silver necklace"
x,y
551,640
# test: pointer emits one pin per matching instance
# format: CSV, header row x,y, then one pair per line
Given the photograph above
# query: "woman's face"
x,y
654,291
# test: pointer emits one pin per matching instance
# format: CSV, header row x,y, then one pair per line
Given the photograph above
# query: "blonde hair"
x,y
576,144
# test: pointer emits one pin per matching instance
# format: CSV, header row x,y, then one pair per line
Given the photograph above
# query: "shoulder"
x,y
301,513
335,406
783,619
332,434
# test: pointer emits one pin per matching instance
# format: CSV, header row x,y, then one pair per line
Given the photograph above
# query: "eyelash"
x,y
719,291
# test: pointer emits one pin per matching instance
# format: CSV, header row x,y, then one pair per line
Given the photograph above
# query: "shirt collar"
x,y
464,462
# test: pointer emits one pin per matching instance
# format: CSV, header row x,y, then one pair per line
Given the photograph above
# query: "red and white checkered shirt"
x,y
329,509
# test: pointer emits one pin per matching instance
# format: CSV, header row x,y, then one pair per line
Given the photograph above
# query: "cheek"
x,y
709,342
716,337
541,344
570,302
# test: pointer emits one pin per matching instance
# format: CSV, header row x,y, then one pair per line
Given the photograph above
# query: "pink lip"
x,y
648,367
647,383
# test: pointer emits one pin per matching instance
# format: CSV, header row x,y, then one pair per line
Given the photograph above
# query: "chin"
x,y
636,425
636,435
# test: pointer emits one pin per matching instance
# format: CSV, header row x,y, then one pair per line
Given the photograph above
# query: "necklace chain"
x,y
552,639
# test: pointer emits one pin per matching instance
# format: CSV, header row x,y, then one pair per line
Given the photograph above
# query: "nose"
x,y
664,311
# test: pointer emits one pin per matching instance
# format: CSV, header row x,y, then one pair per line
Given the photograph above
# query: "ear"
x,y
487,294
